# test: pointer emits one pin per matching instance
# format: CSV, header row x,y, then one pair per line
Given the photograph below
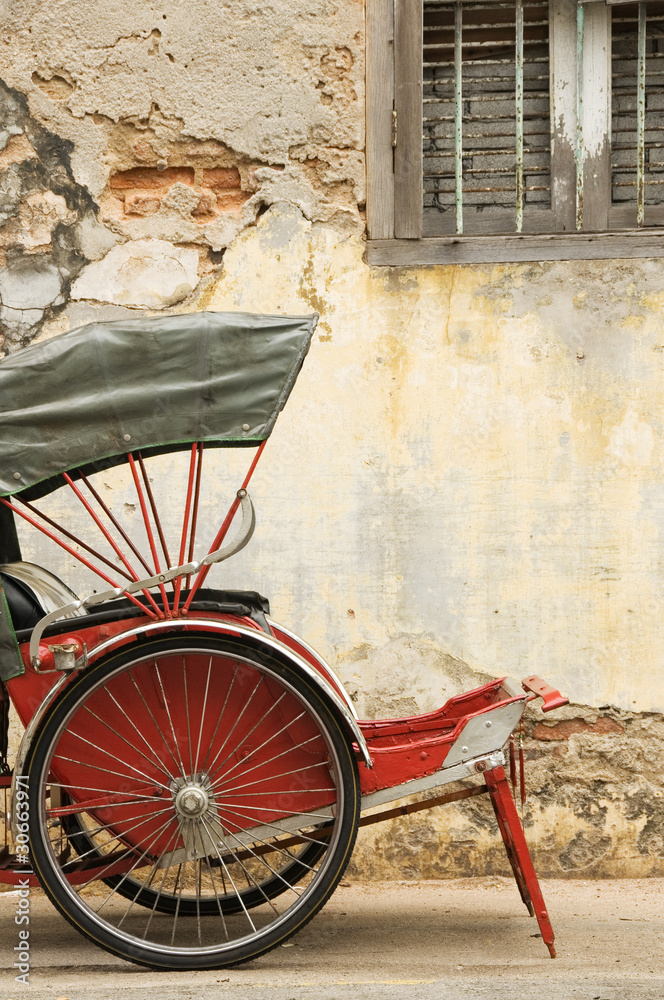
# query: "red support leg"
x,y
517,851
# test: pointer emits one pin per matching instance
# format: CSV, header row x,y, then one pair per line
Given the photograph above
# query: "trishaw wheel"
x,y
201,779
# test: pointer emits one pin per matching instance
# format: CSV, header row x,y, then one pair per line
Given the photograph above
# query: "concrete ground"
x,y
444,940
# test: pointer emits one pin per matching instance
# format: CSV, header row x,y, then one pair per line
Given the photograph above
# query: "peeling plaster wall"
x,y
469,477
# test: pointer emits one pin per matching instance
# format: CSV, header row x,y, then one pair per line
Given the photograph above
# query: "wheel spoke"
x,y
271,846
177,905
95,830
170,721
186,711
235,725
155,904
149,710
230,879
269,760
275,826
221,716
249,877
97,848
86,708
120,774
56,812
148,882
203,710
250,733
137,864
273,777
155,761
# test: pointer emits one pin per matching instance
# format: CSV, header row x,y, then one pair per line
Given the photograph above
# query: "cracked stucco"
x,y
274,84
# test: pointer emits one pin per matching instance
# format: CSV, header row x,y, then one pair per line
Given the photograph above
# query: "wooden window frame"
x,y
394,149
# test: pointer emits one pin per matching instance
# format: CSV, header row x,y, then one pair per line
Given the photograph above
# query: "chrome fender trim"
x,y
316,656
258,639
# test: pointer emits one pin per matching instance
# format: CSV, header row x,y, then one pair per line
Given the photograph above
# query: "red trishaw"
x,y
192,774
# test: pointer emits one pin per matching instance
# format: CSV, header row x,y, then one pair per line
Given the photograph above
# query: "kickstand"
x,y
517,852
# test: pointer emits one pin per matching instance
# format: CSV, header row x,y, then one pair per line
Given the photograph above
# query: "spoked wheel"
x,y
210,805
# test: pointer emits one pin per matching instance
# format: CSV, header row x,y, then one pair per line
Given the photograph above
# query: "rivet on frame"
x,y
17,475
127,437
245,427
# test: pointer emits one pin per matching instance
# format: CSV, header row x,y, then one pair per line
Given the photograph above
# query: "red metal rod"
x,y
107,535
148,529
194,516
76,555
185,525
155,513
74,538
111,541
116,524
221,534
522,774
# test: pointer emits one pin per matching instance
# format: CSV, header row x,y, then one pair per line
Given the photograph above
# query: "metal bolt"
x,y
464,749
245,427
488,725
127,437
17,475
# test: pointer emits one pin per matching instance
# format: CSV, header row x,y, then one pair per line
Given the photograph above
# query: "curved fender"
x,y
334,694
303,649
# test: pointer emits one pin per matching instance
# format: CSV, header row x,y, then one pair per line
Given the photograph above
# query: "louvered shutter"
x,y
637,115
486,131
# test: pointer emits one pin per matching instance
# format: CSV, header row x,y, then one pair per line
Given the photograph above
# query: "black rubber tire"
x,y
277,673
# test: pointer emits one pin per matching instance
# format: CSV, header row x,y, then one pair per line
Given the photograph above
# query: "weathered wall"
x,y
469,477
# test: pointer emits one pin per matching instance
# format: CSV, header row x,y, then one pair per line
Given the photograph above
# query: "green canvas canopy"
x,y
88,397
82,401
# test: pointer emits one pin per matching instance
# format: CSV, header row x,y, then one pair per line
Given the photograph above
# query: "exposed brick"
x,y
568,727
151,178
221,177
228,201
141,203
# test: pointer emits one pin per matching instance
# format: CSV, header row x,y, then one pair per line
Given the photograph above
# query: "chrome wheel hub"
x,y
191,801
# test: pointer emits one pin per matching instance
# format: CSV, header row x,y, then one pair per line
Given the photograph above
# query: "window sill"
x,y
513,248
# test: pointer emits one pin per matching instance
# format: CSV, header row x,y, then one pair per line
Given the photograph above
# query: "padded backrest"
x,y
24,607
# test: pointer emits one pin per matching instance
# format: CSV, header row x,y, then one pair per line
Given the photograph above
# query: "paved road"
x,y
448,940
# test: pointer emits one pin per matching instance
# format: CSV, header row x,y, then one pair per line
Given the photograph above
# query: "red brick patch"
x,y
563,730
141,190
151,178
221,177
